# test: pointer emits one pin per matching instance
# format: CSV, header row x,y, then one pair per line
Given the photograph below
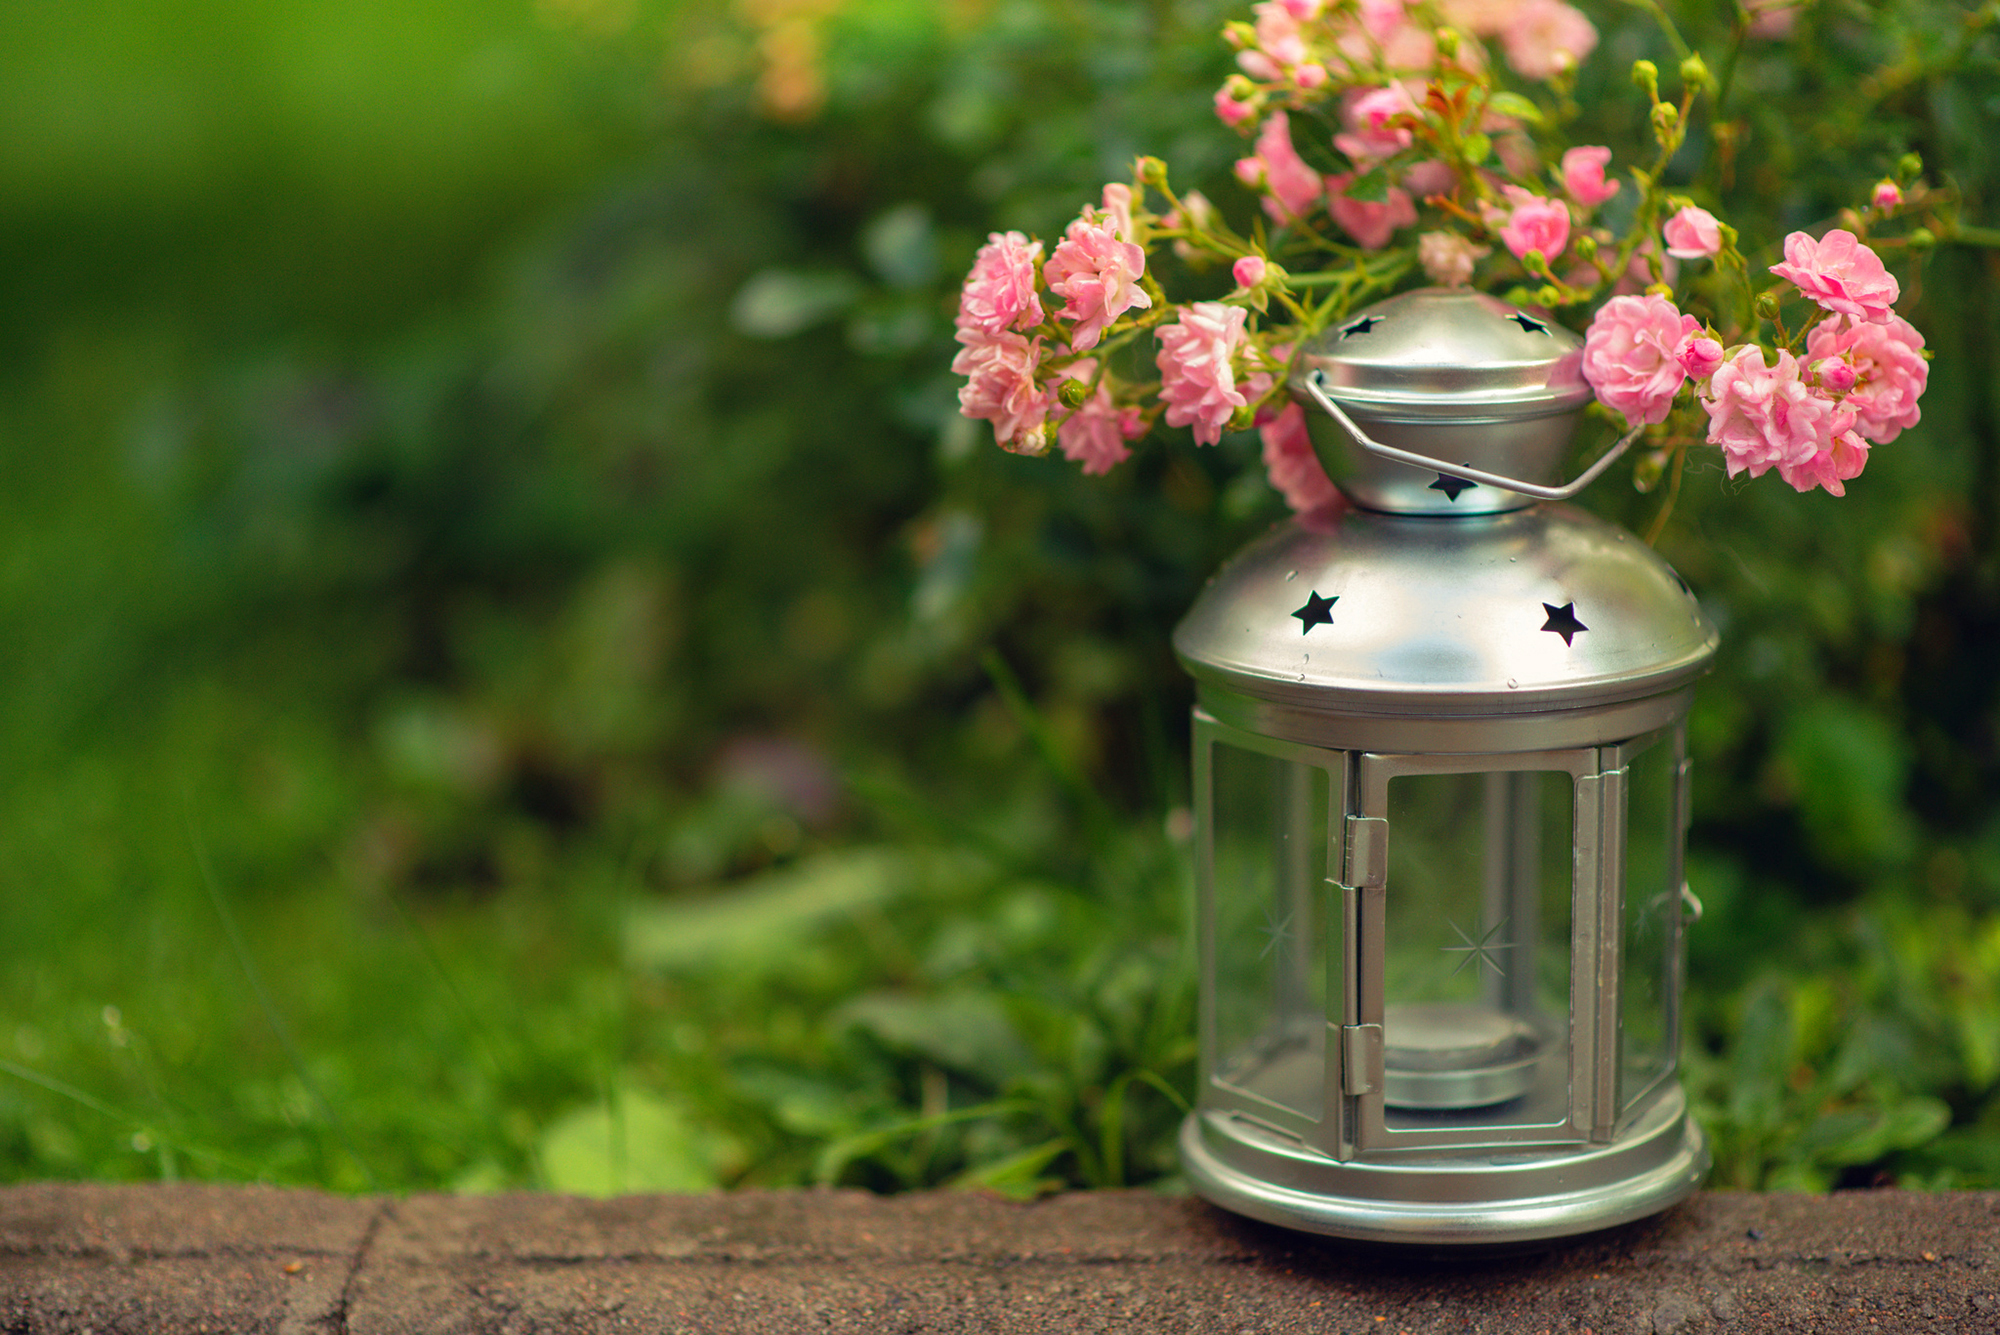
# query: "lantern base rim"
x,y
1527,1199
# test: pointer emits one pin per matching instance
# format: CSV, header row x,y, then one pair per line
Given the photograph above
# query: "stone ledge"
x,y
172,1259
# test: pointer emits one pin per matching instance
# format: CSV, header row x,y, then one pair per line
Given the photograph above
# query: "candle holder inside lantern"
x,y
1441,793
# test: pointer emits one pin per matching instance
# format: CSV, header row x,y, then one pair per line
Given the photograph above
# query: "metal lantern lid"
x,y
1534,609
1450,355
1445,401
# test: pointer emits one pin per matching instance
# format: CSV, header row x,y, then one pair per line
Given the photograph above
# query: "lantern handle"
x,y
1314,386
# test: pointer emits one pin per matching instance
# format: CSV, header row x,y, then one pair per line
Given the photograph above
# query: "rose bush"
x,y
1390,146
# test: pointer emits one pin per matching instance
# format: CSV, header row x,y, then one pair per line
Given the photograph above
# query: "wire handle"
x,y
1315,387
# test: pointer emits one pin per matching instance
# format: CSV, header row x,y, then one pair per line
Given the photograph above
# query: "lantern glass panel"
x,y
1477,962
1650,947
1272,942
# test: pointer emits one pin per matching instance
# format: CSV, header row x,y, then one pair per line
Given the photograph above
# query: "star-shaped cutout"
x,y
1528,323
1451,486
1318,611
1562,620
1361,326
1480,950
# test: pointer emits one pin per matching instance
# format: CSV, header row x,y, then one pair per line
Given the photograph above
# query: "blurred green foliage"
x,y
517,674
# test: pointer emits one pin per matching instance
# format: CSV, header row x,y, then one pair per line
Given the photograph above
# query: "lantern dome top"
x,y
1352,611
1448,354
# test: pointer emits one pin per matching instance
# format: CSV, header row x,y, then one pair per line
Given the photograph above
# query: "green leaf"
x,y
634,1141
1371,187
1513,104
1017,1176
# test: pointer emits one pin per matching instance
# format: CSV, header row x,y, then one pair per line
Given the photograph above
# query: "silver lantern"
x,y
1441,792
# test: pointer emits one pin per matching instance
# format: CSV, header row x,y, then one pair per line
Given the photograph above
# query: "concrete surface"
x,y
172,1259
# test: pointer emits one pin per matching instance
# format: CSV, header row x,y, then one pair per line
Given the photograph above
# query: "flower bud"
x,y
1073,393
1922,239
1699,355
1447,42
1548,296
1767,307
1887,195
1646,76
1585,246
1248,271
1694,72
1665,117
1834,376
1152,172
1239,35
1909,165
1241,419
1239,87
1033,442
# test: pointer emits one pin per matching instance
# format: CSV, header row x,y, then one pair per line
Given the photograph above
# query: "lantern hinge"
x,y
1360,1058
1367,851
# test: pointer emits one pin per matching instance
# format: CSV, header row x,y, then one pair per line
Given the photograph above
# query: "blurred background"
x,y
514,674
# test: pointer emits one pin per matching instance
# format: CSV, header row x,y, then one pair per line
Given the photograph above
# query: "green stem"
x,y
1659,523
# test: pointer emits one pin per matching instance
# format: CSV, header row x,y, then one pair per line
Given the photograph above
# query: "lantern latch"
x,y
1360,1058
1367,851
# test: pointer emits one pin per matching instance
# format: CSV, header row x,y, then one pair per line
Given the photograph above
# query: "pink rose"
x,y
999,293
1118,204
1533,223
1448,258
1197,382
1231,111
1381,19
1843,458
1369,136
1000,387
1888,195
1692,234
1095,434
1097,275
1310,75
1698,355
1772,20
1259,66
1631,356
1583,176
1766,415
1249,271
1429,177
1278,32
1888,368
1480,18
1290,187
1290,463
1841,274
1543,38
1370,224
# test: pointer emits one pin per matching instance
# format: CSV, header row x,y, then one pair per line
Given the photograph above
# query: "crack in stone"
x,y
360,1259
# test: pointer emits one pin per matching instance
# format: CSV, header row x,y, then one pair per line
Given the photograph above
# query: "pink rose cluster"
x,y
1095,272
1302,44
1293,191
1813,419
